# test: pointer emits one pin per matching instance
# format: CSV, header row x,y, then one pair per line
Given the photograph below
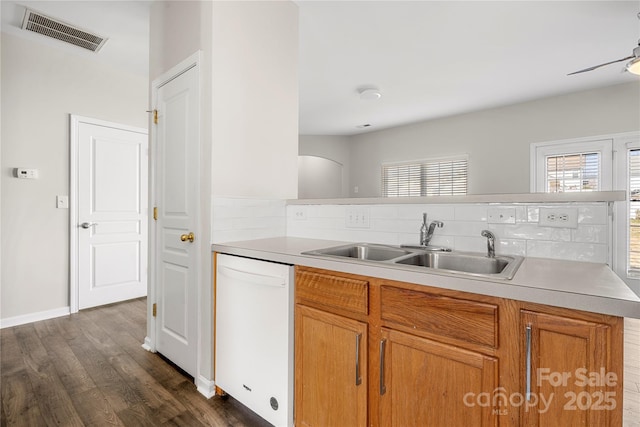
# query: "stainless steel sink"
x,y
363,251
465,262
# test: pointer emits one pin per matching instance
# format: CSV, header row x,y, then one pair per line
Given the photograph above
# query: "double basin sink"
x,y
437,261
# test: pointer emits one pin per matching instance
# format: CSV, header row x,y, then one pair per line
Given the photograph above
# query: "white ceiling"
x,y
433,59
429,59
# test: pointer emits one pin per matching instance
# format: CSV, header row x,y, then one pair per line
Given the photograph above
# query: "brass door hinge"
x,y
154,310
155,213
155,116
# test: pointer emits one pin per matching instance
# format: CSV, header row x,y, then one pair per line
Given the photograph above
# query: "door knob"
x,y
86,225
190,237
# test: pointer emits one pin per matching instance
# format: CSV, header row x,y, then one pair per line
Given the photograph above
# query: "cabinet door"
x,y
331,370
567,376
426,383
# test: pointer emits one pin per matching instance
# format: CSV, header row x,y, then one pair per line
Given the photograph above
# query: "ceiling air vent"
x,y
54,28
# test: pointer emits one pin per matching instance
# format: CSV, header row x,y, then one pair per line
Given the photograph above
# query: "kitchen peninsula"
x,y
479,349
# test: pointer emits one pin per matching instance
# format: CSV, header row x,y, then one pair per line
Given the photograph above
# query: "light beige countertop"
x,y
569,284
586,196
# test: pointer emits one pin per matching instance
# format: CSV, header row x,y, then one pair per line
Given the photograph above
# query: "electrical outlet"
x,y
501,216
300,213
357,218
558,217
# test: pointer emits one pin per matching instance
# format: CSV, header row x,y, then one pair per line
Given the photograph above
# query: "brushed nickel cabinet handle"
x,y
358,376
528,366
383,388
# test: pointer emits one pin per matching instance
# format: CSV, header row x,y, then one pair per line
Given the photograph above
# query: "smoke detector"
x,y
369,94
59,30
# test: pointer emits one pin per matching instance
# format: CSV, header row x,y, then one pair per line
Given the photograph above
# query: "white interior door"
x,y
177,200
111,228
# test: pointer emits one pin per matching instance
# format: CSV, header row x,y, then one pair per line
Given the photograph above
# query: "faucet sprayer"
x,y
491,243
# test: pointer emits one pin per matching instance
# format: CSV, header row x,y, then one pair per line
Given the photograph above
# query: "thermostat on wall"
x,y
26,173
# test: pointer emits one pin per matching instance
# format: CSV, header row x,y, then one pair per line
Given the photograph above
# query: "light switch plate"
x,y
357,218
62,202
501,216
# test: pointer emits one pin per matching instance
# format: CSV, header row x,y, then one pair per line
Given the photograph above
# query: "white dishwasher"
x,y
254,335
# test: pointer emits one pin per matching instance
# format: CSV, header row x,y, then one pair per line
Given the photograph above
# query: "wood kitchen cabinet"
x,y
432,367
435,357
426,383
331,374
331,370
571,375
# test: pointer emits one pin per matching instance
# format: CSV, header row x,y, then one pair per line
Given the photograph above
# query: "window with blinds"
x,y
437,177
634,214
573,173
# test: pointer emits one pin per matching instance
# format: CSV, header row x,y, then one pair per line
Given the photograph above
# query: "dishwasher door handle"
x,y
255,279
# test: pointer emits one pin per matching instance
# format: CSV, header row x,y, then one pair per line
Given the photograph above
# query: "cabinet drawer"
x,y
464,320
332,292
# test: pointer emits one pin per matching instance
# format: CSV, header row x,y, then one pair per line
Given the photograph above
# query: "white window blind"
x,y
437,177
573,172
634,214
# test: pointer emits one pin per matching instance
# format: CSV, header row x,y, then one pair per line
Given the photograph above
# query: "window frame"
x,y
616,178
541,150
421,162
621,210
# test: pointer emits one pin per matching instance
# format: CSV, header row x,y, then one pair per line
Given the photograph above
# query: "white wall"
x,y
255,99
334,148
238,219
175,33
41,86
497,140
319,178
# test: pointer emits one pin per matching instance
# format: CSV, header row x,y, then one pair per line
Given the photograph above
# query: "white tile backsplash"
x,y
235,219
244,219
511,247
434,212
593,214
567,250
531,231
590,234
400,224
471,213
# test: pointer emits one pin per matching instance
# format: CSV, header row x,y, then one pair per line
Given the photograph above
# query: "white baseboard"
x,y
34,317
206,387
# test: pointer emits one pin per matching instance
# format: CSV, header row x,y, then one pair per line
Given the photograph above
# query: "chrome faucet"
x,y
423,230
426,233
491,243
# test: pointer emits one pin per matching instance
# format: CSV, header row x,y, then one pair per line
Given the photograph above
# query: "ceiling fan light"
x,y
633,66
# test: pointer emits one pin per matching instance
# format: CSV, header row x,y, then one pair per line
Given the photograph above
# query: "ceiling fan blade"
x,y
600,65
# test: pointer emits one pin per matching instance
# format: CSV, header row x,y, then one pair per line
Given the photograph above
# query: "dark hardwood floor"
x,y
90,369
